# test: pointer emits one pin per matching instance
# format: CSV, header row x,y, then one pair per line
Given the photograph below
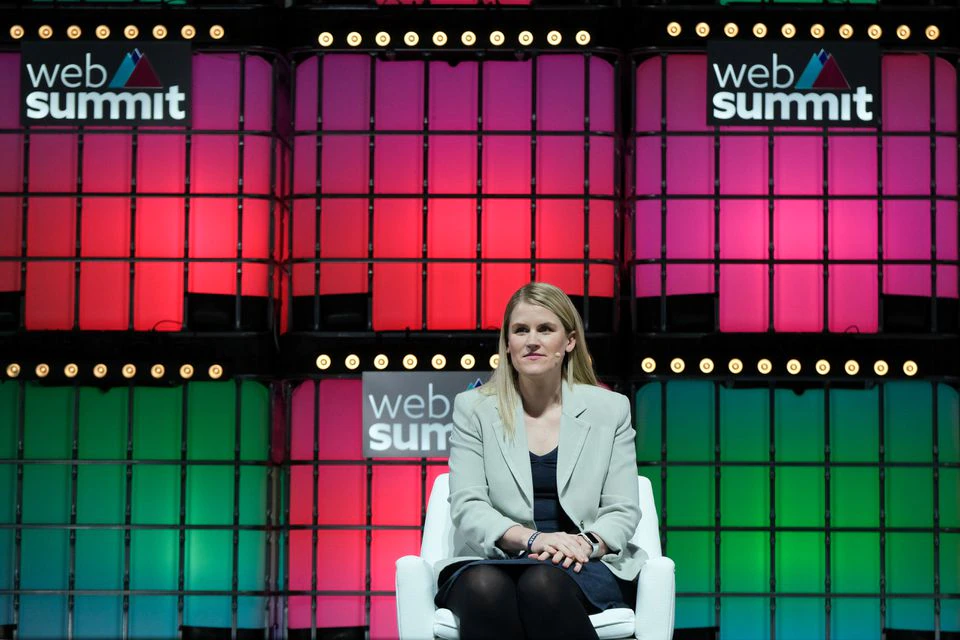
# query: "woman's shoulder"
x,y
599,395
470,399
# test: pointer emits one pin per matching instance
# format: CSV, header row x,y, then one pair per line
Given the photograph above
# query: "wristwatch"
x,y
594,541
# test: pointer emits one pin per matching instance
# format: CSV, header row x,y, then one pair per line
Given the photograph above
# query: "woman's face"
x,y
537,341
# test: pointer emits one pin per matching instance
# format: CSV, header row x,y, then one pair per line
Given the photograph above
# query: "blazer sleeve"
x,y
619,512
470,507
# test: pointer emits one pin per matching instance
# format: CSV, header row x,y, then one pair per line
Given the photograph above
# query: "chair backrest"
x,y
438,531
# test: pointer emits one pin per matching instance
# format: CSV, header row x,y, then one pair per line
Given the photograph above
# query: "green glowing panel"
x,y
948,423
744,424
854,497
950,569
693,553
153,617
690,421
156,495
647,419
98,617
99,559
653,475
854,430
694,612
744,496
251,612
42,617
46,494
855,619
153,559
801,564
908,422
211,422
103,424
689,496
157,423
208,557
48,423
950,498
251,551
800,618
6,575
210,495
254,421
799,426
9,395
910,613
745,619
950,615
855,562
253,495
745,561
100,494
909,563
909,497
43,559
799,497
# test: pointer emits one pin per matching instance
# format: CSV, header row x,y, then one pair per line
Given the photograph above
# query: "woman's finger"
x,y
567,562
577,567
544,555
557,557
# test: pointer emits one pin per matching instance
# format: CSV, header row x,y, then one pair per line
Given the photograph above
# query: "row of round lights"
x,y
157,371
130,32
731,30
409,361
440,38
764,366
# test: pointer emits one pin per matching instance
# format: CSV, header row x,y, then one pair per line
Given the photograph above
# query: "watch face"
x,y
591,537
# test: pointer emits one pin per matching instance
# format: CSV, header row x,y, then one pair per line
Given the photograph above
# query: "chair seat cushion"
x,y
612,623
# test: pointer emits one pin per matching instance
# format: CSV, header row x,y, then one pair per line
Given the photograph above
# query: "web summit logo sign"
x,y
796,83
105,83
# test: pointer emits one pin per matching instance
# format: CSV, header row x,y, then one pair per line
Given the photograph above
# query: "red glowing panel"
x,y
11,172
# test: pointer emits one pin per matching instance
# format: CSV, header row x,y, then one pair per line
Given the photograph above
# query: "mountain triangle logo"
x,y
135,72
822,72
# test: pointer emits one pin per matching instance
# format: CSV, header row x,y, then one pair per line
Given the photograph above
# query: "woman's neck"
x,y
538,395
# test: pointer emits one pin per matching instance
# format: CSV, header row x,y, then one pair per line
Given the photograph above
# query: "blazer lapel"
x,y
515,451
573,434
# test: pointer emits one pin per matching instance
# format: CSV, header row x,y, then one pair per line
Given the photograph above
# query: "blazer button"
x,y
581,524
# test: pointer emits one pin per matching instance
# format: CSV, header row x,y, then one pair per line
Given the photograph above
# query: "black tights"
x,y
541,602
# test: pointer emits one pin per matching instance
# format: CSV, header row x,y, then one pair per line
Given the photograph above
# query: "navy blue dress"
x,y
602,589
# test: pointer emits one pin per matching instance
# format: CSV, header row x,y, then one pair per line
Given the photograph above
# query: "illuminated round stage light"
x,y
702,29
880,368
325,39
497,38
648,365
439,38
467,361
525,38
13,370
323,362
583,38
932,32
188,32
903,32
764,366
468,38
852,367
102,32
380,361
554,38
494,361
131,31
16,32
706,365
186,371
793,366
128,371
438,361
910,368
352,361
157,371
215,372
45,32
409,361
874,32
411,39
100,371
677,365
817,31
159,32
788,30
822,367
674,29
731,29
354,39
216,32
42,370
74,32
846,31
760,30
71,370
382,38
735,366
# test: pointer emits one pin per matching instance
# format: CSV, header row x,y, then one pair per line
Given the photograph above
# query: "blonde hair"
x,y
577,365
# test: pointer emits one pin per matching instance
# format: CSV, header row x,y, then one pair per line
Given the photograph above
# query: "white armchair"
x,y
419,619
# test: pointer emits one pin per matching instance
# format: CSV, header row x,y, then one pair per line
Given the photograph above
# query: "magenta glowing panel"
x,y
133,190
851,229
433,192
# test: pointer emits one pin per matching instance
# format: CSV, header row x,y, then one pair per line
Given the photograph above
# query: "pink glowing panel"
x,y
743,164
11,172
396,496
397,233
906,236
506,234
385,548
947,249
451,233
743,236
690,234
383,618
852,295
798,288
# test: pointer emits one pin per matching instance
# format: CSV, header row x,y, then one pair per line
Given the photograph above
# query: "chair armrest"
x,y
415,591
656,600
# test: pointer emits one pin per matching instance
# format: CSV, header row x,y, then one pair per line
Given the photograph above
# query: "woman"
x,y
543,485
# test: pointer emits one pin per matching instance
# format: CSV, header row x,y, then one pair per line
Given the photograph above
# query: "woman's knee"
x,y
484,587
545,586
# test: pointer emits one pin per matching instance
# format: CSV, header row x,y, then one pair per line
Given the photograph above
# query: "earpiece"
x,y
558,354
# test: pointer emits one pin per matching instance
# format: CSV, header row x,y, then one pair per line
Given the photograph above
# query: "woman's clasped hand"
x,y
565,549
